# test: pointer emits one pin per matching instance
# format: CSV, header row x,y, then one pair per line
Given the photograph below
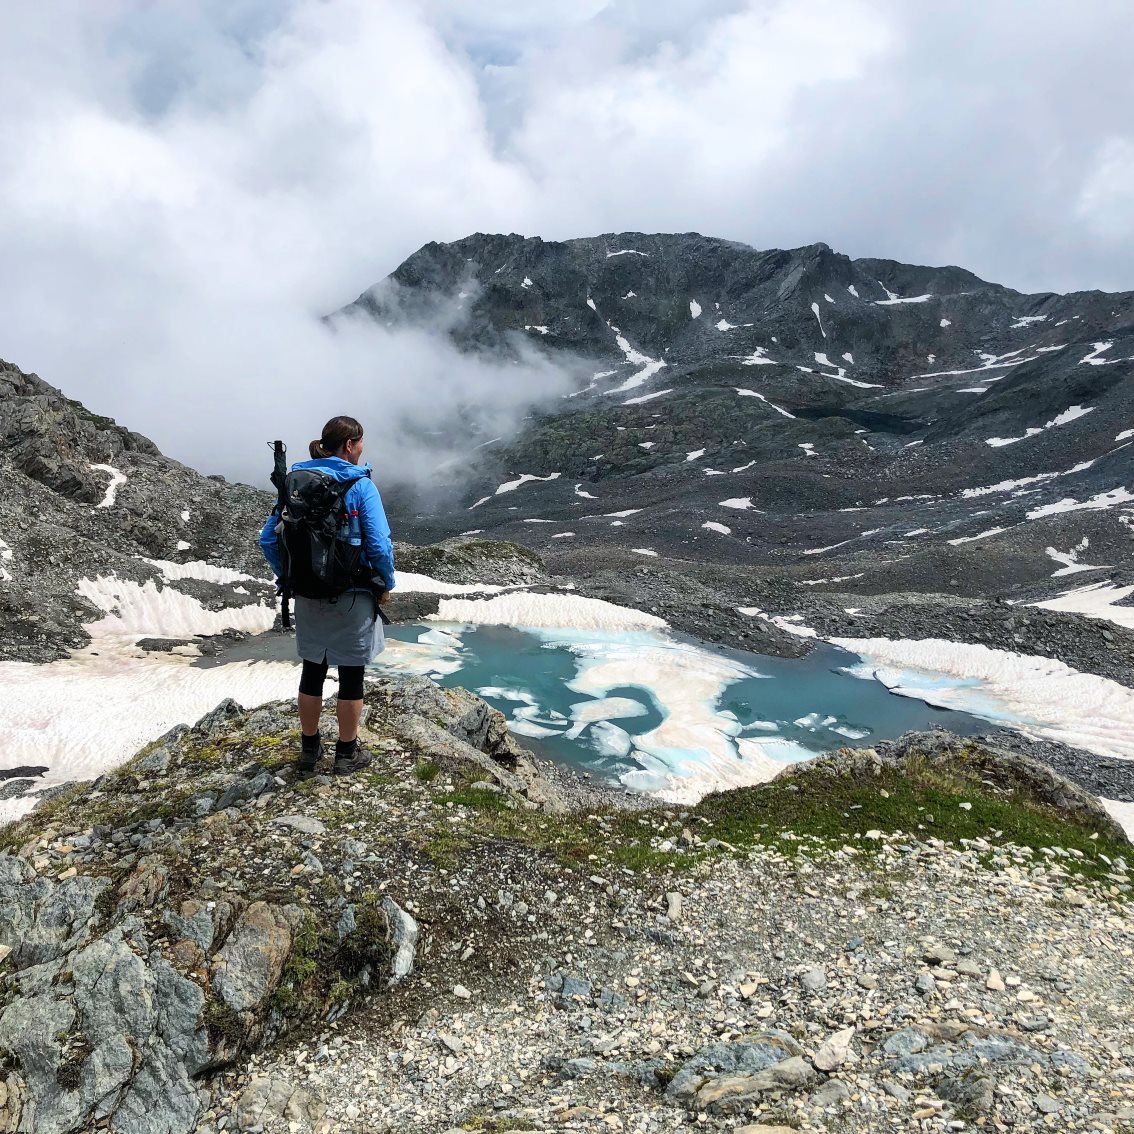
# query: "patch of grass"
x,y
301,968
479,799
427,771
367,945
223,1023
919,798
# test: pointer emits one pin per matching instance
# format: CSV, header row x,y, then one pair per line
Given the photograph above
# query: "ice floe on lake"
x,y
1039,696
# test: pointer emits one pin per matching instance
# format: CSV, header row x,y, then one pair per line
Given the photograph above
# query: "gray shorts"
x,y
342,632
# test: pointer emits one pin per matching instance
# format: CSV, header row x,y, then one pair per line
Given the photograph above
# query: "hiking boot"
x,y
310,755
351,757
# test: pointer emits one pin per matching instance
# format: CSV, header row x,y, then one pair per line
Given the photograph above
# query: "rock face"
x,y
82,496
196,904
794,400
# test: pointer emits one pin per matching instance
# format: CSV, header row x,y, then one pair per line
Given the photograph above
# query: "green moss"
x,y
427,771
367,945
223,1023
480,799
341,990
303,965
919,798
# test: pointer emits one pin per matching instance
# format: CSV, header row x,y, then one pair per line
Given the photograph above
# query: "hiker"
x,y
330,515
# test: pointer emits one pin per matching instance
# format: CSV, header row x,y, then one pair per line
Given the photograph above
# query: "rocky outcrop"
x,y
159,924
466,560
458,730
81,496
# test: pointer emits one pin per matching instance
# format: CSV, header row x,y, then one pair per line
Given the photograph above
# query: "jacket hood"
x,y
336,467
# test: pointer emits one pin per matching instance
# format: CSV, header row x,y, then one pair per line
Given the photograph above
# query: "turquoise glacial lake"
x,y
662,714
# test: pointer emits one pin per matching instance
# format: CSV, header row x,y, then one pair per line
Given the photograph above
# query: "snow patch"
x,y
523,609
892,299
1059,703
1070,560
647,397
1009,485
818,318
627,252
974,538
741,503
694,309
1122,812
710,525
523,478
116,478
1097,503
1068,415
1098,600
744,392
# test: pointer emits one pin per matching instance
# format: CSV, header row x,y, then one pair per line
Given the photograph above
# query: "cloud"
x,y
185,190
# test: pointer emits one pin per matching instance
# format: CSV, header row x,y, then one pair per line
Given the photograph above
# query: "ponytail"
x,y
336,433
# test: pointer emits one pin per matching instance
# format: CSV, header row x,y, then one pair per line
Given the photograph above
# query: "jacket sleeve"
x,y
270,544
376,531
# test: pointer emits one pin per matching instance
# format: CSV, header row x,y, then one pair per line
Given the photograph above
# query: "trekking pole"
x,y
279,478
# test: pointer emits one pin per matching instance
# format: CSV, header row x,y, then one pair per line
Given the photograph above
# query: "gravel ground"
x,y
1012,1014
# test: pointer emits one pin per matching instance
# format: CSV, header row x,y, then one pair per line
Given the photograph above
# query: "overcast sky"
x,y
183,186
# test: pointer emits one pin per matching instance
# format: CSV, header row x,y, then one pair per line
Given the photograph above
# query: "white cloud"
x,y
184,188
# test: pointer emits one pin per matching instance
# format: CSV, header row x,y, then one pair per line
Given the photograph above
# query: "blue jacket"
x,y
367,518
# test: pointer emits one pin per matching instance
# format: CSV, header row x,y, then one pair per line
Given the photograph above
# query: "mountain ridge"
x,y
796,401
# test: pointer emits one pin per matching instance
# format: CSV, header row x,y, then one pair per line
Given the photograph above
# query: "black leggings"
x,y
315,673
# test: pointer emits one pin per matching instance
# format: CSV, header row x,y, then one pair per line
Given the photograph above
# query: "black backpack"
x,y
317,562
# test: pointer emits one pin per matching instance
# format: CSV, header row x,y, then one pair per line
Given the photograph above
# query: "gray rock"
x,y
268,1099
192,922
896,1091
814,980
830,1093
906,1042
971,1090
575,988
730,1094
940,955
42,920
926,984
249,965
243,790
305,824
403,935
741,1057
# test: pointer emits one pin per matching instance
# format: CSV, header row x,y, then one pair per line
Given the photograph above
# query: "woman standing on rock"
x,y
330,504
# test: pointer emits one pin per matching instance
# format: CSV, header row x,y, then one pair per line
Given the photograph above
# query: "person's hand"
x,y
384,598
